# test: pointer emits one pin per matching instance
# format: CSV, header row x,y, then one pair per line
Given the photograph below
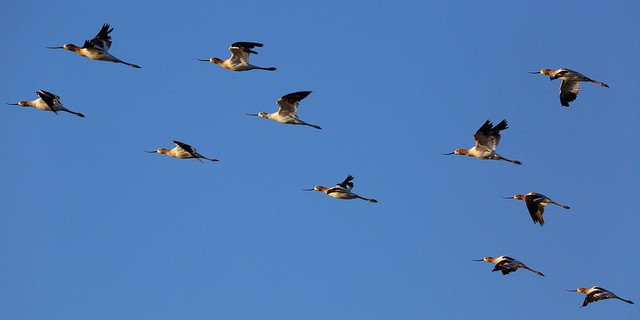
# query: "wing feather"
x,y
101,41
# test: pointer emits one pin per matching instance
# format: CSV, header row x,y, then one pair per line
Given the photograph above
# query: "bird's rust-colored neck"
x,y
72,47
216,61
548,72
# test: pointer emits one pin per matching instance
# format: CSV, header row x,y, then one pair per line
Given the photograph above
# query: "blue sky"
x,y
92,227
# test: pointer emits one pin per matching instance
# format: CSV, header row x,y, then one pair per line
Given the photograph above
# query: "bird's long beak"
x,y
252,114
308,189
477,260
446,154
12,104
55,47
509,197
575,290
150,151
207,60
534,72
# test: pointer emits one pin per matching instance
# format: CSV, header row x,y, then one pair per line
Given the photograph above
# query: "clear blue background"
x,y
92,227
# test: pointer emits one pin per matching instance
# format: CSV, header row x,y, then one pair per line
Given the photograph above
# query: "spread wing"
x,y
191,150
535,206
102,41
346,184
597,295
488,136
505,266
289,103
239,55
247,46
50,99
568,91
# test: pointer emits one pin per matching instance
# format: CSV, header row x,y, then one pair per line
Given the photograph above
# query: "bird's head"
x,y
457,151
21,103
212,60
547,72
483,259
260,114
161,150
68,46
583,290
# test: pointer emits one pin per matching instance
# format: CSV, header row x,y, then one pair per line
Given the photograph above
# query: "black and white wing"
x,y
102,41
289,103
488,136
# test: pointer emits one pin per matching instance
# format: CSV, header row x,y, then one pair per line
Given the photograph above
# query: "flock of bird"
x,y
486,138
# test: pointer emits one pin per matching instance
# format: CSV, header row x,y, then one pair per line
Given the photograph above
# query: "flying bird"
x,y
239,60
507,264
96,48
570,83
596,294
341,190
182,151
536,204
287,110
487,139
47,101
